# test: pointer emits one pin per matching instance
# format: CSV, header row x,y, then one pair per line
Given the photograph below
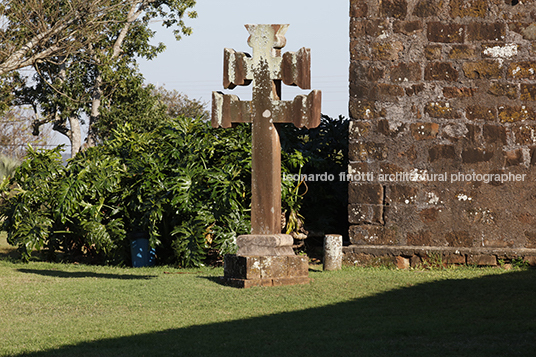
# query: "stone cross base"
x,y
268,270
265,244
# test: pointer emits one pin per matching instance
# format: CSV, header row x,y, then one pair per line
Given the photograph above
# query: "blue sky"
x,y
194,65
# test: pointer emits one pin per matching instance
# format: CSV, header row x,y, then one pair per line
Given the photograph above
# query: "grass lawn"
x,y
77,310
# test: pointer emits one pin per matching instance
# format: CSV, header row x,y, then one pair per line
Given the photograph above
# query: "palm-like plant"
x,y
8,165
184,184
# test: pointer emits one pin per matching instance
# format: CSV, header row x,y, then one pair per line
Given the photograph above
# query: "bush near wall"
x,y
323,151
184,184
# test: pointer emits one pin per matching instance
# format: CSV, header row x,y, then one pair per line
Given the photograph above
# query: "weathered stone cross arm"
x,y
293,69
303,111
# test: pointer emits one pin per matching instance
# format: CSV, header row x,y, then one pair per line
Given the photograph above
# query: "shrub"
x,y
7,166
320,150
185,185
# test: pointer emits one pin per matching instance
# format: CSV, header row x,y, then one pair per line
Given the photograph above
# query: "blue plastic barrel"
x,y
142,254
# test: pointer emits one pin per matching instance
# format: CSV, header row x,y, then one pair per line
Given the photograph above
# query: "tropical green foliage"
x,y
323,150
8,165
184,183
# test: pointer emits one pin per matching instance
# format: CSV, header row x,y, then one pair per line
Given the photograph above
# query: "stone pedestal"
x,y
248,271
265,260
265,244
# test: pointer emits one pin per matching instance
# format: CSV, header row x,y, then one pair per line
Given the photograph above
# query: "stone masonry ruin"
x,y
443,121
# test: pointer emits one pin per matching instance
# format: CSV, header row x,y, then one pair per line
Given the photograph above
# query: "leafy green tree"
x,y
90,78
145,107
34,31
130,102
178,104
132,40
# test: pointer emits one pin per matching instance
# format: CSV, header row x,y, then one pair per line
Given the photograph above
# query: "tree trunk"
x,y
91,139
75,135
97,89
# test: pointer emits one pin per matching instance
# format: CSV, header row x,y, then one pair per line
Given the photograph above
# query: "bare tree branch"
x,y
53,28
16,133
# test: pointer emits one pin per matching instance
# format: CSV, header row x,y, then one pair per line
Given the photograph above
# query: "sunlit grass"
x,y
66,310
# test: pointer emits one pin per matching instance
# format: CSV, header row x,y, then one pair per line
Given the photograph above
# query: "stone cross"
x,y
265,70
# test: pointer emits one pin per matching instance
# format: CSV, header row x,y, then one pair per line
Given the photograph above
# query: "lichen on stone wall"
x,y
444,87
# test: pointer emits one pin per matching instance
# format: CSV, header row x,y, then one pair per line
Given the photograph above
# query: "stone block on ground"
x,y
265,244
332,252
481,259
531,260
454,259
249,271
415,261
402,263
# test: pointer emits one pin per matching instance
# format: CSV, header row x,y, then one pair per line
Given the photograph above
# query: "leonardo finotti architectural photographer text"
x,y
413,176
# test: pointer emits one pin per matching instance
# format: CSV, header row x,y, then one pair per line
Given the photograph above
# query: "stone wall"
x,y
443,132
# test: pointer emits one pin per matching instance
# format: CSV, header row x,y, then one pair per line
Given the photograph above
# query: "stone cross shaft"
x,y
265,70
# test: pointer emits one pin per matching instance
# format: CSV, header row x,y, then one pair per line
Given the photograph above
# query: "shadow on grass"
x,y
84,274
492,315
8,252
